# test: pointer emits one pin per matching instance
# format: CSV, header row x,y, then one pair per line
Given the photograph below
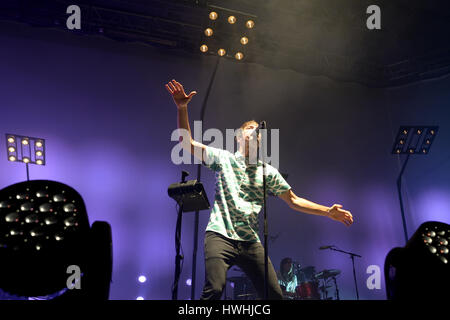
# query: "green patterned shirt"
x,y
239,193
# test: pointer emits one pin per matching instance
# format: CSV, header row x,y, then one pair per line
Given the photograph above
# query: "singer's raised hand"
x,y
180,98
337,213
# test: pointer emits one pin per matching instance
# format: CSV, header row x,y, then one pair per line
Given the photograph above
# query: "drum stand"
x,y
336,287
324,290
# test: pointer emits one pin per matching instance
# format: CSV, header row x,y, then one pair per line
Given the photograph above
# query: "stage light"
x,y
208,32
140,298
213,15
431,234
427,240
28,150
411,140
218,36
189,282
244,40
142,279
28,236
420,258
250,24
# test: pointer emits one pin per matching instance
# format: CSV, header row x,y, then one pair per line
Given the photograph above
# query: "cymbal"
x,y
327,273
236,279
326,287
308,268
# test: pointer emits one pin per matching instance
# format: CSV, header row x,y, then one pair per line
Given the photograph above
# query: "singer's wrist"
x,y
182,106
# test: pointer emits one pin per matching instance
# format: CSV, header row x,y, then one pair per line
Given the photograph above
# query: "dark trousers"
x,y
222,253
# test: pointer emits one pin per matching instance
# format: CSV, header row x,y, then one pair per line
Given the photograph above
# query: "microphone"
x,y
262,125
325,247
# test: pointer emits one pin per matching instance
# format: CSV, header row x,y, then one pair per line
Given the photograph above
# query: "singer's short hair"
x,y
246,123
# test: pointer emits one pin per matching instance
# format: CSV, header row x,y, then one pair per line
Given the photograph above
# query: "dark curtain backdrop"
x,y
107,118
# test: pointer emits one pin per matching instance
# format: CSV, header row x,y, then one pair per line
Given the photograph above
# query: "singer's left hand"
x,y
338,214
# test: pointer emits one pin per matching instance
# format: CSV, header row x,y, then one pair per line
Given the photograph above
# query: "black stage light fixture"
x,y
29,150
421,269
227,33
411,140
44,229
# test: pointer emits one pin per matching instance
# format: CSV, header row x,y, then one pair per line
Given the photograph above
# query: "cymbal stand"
x,y
336,287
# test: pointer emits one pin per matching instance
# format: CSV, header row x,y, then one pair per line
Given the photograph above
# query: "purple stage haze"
x,y
107,119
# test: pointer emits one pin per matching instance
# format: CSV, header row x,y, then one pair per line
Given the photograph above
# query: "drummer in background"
x,y
287,279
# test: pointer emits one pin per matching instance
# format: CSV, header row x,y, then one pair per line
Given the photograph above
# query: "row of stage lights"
x,y
249,24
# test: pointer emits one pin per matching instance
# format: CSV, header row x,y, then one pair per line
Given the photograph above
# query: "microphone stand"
x,y
262,125
352,256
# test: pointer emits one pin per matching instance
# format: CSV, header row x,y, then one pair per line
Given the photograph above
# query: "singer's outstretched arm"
x,y
181,100
334,212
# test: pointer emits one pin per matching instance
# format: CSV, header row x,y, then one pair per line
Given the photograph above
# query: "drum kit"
x,y
312,285
326,276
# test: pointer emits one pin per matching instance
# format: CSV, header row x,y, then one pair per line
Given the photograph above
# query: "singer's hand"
x,y
337,213
180,98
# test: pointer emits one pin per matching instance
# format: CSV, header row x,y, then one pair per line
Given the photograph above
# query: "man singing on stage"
x,y
231,236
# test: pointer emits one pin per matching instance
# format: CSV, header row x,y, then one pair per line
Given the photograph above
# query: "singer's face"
x,y
248,132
